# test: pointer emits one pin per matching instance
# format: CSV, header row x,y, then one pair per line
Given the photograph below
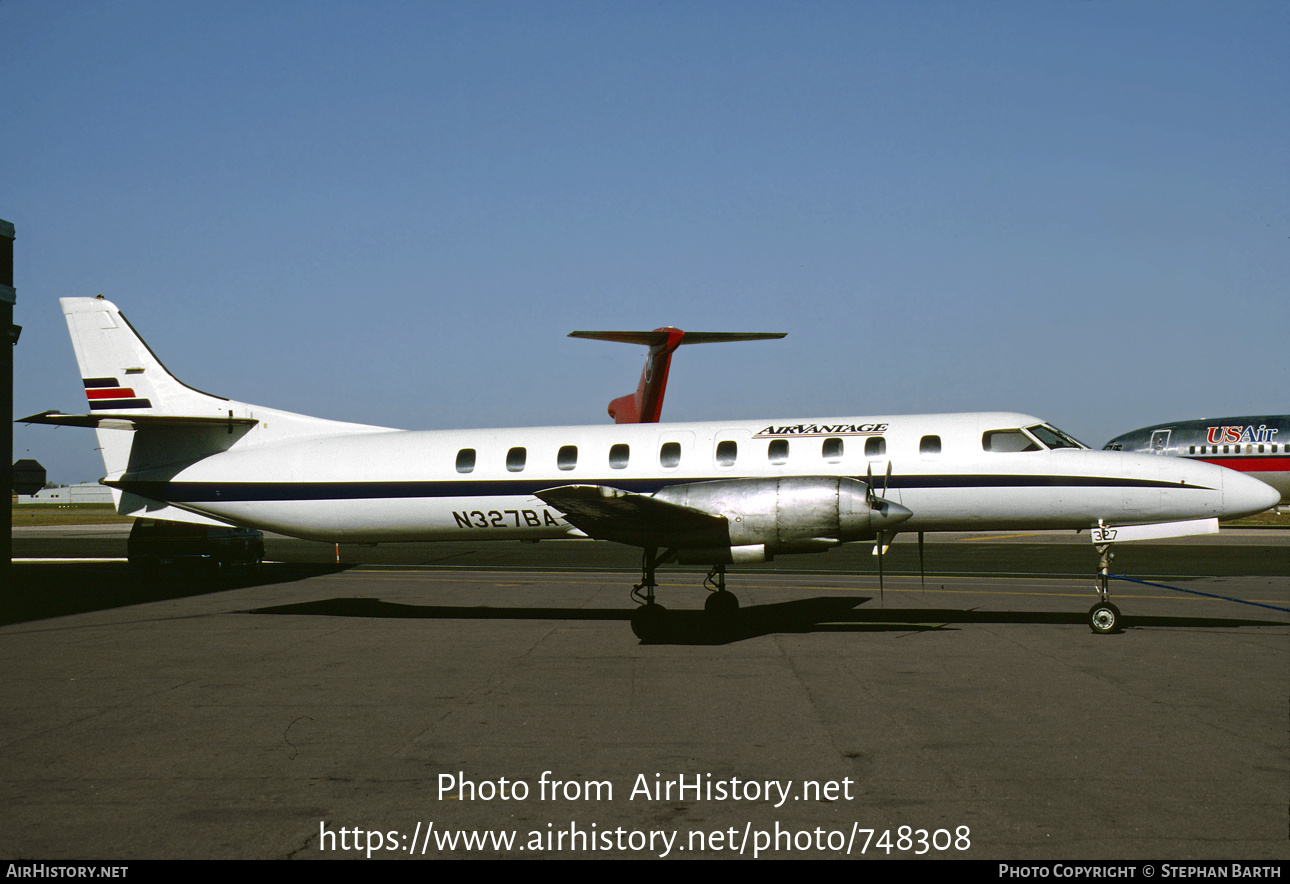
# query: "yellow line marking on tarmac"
x,y
993,537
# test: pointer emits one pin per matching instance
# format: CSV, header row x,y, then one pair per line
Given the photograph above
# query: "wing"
x,y
607,513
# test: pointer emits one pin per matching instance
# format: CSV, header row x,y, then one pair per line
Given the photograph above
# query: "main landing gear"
x,y
650,619
1104,617
722,603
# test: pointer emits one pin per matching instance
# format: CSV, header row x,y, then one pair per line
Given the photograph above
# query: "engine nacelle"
x,y
791,514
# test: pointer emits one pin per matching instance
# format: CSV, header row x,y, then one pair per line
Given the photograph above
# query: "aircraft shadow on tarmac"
x,y
696,627
39,591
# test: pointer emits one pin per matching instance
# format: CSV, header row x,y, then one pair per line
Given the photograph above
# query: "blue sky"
x,y
394,212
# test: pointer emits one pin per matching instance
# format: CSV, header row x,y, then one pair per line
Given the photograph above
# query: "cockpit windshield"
x,y
1054,438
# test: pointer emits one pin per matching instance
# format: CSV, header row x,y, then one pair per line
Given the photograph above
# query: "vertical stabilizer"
x,y
147,420
121,374
646,405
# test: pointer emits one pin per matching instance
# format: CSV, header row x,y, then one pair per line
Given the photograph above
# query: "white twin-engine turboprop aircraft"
x,y
707,493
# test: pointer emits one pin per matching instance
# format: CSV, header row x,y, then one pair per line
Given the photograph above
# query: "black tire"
x,y
1104,618
648,622
724,604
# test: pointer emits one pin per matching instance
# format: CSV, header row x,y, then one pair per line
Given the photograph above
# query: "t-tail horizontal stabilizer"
x,y
646,404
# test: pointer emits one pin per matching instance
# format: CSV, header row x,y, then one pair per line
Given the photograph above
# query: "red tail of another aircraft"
x,y
646,404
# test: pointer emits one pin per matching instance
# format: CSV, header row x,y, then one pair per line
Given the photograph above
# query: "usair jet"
x,y
1257,445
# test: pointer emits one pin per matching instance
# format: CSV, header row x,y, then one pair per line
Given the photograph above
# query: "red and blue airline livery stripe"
x,y
108,394
1248,463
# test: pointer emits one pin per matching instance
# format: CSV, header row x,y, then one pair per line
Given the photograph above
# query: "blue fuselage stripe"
x,y
113,404
211,492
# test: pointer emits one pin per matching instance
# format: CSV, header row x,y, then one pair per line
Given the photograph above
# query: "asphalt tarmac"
x,y
425,703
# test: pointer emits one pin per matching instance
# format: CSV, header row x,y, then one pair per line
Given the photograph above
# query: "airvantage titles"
x,y
823,430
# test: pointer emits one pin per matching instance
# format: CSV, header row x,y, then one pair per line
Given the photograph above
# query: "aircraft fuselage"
x,y
438,485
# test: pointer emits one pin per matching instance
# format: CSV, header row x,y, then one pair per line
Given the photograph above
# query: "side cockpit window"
x,y
1008,441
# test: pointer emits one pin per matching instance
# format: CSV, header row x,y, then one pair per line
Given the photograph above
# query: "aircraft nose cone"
x,y
1245,496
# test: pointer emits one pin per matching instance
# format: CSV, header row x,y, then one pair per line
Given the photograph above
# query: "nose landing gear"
x,y
1104,617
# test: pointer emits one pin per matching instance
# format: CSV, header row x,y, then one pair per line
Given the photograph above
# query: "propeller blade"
x,y
881,593
922,578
